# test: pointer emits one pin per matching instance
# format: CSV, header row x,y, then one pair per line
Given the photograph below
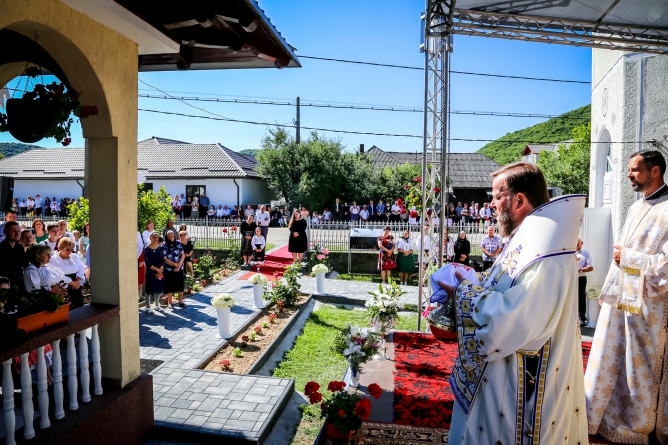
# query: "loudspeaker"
x,y
6,193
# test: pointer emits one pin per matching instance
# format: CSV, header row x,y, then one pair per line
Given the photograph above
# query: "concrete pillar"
x,y
111,173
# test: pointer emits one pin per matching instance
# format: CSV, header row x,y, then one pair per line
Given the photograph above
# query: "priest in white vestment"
x,y
518,378
627,373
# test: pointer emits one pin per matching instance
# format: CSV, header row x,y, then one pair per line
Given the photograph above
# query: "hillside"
x,y
13,148
250,151
554,130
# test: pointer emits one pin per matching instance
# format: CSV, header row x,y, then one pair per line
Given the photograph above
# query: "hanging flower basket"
x,y
43,319
45,111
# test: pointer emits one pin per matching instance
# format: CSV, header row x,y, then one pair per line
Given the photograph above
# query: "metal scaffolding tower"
x,y
436,45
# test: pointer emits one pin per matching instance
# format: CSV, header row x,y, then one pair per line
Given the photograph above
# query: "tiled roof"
x,y
156,158
466,170
537,148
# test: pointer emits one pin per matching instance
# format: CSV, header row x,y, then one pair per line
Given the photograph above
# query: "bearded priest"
x,y
626,378
518,378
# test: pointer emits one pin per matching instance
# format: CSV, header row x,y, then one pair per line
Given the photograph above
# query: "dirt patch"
x,y
253,350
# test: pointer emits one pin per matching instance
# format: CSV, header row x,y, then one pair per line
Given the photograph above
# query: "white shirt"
x,y
46,242
405,244
30,203
38,203
23,204
258,240
327,215
263,219
140,244
354,210
396,209
146,237
43,276
485,212
226,212
364,214
221,212
69,266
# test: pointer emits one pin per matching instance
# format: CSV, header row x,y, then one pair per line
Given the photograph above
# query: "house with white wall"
x,y
227,177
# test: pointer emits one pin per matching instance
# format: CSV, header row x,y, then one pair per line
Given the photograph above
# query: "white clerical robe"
x,y
518,378
626,376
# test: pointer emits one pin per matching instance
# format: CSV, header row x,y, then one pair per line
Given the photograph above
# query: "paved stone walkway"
x,y
201,401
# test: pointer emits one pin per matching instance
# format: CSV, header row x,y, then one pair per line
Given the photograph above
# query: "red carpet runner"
x,y
422,394
273,262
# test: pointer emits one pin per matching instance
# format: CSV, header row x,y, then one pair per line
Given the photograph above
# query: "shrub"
x,y
286,289
237,352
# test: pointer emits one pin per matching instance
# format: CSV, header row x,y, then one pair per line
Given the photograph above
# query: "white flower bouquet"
x,y
320,268
258,278
358,347
384,305
222,301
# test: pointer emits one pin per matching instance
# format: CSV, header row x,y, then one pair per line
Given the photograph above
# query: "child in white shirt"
x,y
258,242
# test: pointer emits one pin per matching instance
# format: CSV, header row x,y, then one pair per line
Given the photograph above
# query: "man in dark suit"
x,y
12,255
380,209
337,210
373,214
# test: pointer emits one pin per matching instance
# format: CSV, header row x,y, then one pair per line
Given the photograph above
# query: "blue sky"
x,y
375,31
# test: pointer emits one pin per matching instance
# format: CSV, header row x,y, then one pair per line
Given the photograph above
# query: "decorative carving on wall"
x,y
625,195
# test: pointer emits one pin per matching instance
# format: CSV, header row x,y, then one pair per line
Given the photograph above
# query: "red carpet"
x,y
273,262
422,395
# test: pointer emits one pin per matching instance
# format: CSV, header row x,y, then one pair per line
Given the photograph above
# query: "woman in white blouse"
x,y
53,233
405,257
258,242
67,261
40,273
146,234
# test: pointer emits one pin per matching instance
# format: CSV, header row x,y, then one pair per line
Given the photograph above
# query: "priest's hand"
x,y
450,290
617,253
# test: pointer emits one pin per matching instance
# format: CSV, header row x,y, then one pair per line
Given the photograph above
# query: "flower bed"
x,y
253,350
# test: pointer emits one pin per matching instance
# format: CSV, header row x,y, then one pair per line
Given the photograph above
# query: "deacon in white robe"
x,y
627,373
518,378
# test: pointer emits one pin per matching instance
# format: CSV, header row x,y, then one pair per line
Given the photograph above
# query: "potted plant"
x,y
44,111
358,346
384,306
35,310
258,281
320,270
223,303
344,411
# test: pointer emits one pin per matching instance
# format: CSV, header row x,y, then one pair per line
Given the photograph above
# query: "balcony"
x,y
80,406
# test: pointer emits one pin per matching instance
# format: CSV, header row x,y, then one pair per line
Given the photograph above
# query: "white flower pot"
x,y
593,308
320,282
352,377
258,292
223,322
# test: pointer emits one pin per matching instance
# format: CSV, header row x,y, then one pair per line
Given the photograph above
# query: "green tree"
x,y
154,207
314,172
390,181
568,167
78,214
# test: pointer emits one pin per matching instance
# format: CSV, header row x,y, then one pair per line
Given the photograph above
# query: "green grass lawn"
x,y
312,358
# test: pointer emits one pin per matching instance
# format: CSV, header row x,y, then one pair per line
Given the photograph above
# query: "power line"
x,y
357,62
360,107
371,133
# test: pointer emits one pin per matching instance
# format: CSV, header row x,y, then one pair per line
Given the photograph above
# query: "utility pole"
x,y
298,123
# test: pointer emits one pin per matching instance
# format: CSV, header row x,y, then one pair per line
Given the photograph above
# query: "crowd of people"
x,y
38,207
47,256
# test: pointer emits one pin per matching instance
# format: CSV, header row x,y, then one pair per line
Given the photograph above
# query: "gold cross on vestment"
x,y
509,262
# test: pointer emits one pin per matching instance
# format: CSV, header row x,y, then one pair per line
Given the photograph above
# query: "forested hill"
x,y
554,130
250,151
8,149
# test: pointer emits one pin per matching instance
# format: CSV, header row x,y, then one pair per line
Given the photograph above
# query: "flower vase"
x,y
223,322
353,377
593,308
333,433
320,282
258,292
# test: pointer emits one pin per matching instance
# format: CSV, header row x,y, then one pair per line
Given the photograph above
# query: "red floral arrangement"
x,y
233,228
345,411
413,214
224,229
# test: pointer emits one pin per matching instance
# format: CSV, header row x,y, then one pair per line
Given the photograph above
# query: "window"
x,y
192,190
148,186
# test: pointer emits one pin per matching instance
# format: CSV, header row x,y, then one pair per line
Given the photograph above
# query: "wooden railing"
x,y
80,320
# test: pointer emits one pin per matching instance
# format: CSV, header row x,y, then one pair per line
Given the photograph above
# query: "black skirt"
x,y
76,297
174,282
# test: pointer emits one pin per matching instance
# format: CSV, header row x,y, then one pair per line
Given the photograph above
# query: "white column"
x,y
57,374
8,402
42,386
83,365
72,372
97,366
26,398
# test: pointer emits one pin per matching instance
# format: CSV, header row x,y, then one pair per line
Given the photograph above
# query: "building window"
x,y
192,190
148,186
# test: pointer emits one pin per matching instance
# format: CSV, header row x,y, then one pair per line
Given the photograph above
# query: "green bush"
x,y
286,289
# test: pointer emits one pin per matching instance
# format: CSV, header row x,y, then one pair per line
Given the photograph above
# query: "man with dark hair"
x,y
12,254
517,332
10,215
625,380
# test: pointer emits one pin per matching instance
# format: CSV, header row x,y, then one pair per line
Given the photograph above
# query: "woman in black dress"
x,y
188,207
298,244
462,249
247,231
174,279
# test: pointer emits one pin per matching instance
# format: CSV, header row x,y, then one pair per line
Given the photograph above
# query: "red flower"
x,y
311,387
407,186
437,189
400,201
66,142
413,214
374,390
195,261
418,179
335,386
342,413
234,228
315,397
363,409
224,229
